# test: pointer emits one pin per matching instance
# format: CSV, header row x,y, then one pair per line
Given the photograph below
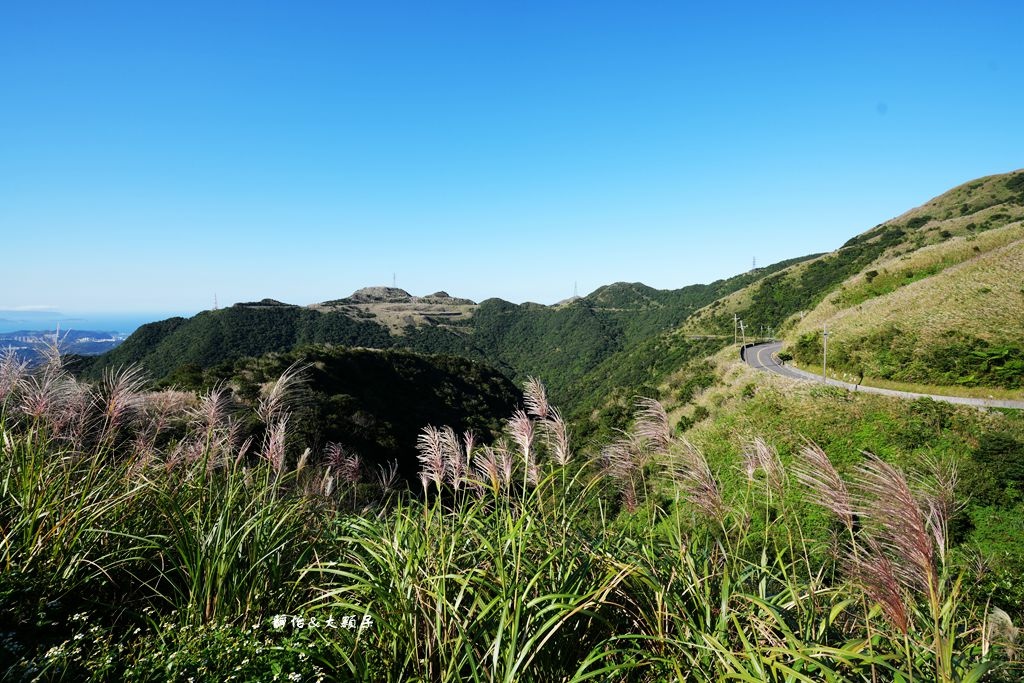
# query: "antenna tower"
x,y
215,301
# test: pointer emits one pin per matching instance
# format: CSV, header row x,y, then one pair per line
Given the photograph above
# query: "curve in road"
x,y
764,357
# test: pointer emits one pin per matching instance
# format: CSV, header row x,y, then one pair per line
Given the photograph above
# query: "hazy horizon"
x,y
122,322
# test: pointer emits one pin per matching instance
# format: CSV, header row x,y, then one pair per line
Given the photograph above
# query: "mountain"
x,y
929,296
560,343
932,296
944,308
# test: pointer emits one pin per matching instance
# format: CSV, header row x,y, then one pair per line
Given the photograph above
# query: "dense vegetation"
x,y
954,358
212,337
371,403
986,448
145,539
561,343
288,507
776,298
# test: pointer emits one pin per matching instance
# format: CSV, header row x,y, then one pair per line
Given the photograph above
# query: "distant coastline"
x,y
40,321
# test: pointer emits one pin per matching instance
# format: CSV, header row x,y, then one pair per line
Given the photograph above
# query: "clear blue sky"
x,y
153,154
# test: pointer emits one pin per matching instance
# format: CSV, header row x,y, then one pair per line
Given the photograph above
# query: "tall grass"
x,y
189,533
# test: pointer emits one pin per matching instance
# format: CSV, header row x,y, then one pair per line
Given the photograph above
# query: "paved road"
x,y
763,357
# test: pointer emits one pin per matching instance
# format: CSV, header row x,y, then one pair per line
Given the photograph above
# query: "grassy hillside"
x,y
959,324
947,313
147,538
738,404
611,333
929,297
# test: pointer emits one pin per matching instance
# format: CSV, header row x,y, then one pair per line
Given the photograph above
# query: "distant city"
x,y
32,345
28,333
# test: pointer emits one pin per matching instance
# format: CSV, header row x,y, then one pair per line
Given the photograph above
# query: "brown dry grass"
x,y
981,296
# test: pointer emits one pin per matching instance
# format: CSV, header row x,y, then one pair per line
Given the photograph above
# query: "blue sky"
x,y
153,154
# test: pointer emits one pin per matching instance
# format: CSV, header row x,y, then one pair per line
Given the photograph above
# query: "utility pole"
x,y
824,354
743,333
735,328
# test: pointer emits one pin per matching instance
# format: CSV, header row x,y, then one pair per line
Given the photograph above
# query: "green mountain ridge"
x,y
560,343
596,352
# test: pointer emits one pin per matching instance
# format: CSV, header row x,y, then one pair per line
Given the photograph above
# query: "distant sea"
x,y
119,323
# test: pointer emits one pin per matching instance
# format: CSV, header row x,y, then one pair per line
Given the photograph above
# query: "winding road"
x,y
765,357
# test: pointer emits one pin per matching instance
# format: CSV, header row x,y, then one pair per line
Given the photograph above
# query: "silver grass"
x,y
759,456
351,468
536,398
815,471
454,461
936,492
560,432
520,428
159,408
274,450
431,457
486,468
689,469
505,461
326,483
880,579
345,462
651,424
243,450
48,394
212,409
622,462
282,392
120,394
13,372
302,460
899,524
